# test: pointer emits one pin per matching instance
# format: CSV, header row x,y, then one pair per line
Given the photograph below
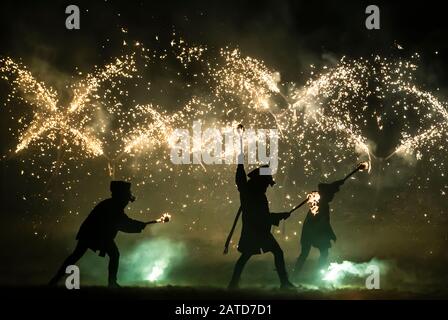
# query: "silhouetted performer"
x,y
99,229
317,230
256,234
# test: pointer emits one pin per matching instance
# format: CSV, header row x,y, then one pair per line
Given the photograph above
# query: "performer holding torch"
x,y
256,236
317,231
100,228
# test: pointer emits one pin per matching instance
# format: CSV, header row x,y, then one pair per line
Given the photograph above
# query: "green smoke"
x,y
350,274
151,261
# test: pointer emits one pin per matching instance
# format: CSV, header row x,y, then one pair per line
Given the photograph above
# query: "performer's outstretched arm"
x,y
277,217
129,225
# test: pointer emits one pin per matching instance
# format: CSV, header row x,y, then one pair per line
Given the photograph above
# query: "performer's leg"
x,y
280,266
239,266
114,258
323,258
71,260
305,251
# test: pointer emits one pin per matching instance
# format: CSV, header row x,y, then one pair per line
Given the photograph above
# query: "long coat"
x,y
317,230
256,234
103,223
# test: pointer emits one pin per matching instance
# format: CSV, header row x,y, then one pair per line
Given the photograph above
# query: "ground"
x,y
208,293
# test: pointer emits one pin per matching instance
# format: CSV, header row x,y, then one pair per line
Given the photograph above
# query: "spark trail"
x,y
325,123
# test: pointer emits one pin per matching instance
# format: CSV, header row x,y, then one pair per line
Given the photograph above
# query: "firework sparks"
x,y
49,117
156,131
331,111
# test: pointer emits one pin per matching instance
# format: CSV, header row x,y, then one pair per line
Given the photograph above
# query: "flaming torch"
x,y
362,166
313,202
166,217
240,130
312,199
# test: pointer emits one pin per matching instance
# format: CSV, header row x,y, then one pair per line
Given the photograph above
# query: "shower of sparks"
x,y
52,123
155,130
336,118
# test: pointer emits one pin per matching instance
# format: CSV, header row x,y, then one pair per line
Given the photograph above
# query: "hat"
x,y
256,174
123,188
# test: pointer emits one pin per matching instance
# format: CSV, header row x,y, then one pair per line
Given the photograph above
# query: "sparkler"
x,y
166,217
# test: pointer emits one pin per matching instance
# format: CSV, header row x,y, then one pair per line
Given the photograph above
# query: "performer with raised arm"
x,y
317,231
256,236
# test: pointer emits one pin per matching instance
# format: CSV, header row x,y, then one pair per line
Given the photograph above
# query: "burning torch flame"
x,y
166,217
313,202
364,166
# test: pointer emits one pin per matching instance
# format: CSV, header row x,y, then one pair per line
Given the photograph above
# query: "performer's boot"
x,y
79,251
114,259
284,281
112,281
113,284
286,284
58,276
54,281
281,270
233,284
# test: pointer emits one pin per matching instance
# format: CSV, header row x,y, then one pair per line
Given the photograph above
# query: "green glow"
x,y
349,274
157,271
152,260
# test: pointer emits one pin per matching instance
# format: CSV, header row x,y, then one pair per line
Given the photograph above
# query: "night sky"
x,y
396,214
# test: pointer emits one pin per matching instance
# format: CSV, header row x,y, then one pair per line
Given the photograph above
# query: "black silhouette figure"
x,y
257,220
317,231
99,229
